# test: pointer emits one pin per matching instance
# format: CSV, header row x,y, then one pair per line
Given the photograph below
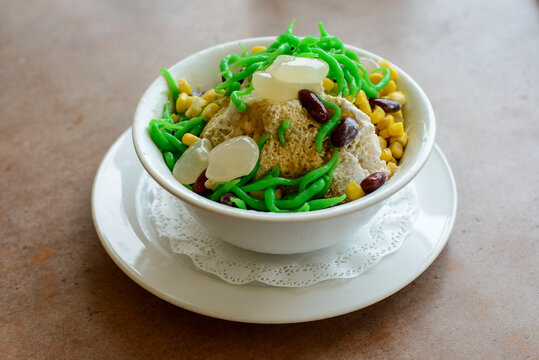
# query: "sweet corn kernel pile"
x,y
192,106
389,127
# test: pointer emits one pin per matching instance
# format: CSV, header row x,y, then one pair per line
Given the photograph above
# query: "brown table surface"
x,y
71,73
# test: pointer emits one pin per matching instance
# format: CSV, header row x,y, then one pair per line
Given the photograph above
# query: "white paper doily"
x,y
380,237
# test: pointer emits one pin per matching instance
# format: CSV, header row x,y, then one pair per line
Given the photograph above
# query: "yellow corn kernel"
x,y
354,191
210,110
396,149
328,84
397,115
183,103
392,167
174,117
211,95
383,142
376,78
386,122
390,87
362,102
398,96
184,87
403,139
349,98
259,194
377,114
393,160
392,70
196,107
396,129
386,155
258,48
189,139
384,133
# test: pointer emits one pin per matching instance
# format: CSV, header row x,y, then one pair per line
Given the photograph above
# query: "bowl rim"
x,y
191,198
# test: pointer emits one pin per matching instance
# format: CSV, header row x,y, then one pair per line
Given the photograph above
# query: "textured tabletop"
x,y
71,74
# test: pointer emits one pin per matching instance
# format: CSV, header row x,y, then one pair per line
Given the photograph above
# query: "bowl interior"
x,y
201,71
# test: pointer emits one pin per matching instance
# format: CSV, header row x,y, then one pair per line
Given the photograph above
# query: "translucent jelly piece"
x,y
369,64
300,70
193,162
232,159
268,87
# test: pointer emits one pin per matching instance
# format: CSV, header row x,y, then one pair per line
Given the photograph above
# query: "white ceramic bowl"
x,y
269,232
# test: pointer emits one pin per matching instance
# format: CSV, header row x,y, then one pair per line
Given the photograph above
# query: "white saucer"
x,y
117,196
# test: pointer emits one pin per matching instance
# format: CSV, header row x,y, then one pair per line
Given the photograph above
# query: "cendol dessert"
x,y
302,125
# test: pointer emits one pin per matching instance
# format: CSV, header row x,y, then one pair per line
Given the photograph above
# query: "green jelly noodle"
x,y
307,192
344,64
284,125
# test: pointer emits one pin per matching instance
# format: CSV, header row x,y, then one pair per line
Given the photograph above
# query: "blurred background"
x,y
71,74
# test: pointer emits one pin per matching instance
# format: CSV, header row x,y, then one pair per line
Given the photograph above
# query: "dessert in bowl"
x,y
291,147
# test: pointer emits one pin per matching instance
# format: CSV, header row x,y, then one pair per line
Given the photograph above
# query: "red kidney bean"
x,y
387,105
311,102
199,186
373,182
345,132
227,199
